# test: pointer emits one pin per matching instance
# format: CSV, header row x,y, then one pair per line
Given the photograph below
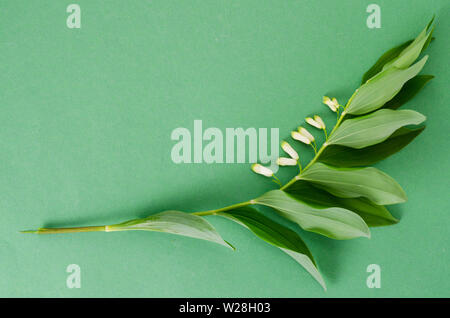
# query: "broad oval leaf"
x,y
174,222
408,91
336,223
370,183
277,235
381,88
373,214
343,156
371,129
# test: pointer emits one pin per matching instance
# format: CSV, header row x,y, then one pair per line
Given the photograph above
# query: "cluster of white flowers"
x,y
332,103
301,135
316,122
292,161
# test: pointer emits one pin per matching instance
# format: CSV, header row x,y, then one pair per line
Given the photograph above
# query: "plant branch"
x,y
322,148
107,228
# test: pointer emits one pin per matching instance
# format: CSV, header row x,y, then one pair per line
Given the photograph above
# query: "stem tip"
x,y
29,231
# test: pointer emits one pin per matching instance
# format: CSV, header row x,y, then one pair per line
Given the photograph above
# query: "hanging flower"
x,y
320,121
259,169
305,133
298,136
282,161
332,103
313,122
289,150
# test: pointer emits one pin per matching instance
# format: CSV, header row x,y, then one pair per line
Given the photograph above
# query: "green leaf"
x,y
335,223
427,43
381,88
343,156
371,129
277,235
385,58
408,91
407,49
373,214
370,183
174,222
412,51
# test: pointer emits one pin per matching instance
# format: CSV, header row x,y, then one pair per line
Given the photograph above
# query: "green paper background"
x,y
86,117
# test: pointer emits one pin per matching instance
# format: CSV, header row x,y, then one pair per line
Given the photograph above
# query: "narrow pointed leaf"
x,y
431,38
343,156
277,235
336,223
374,128
408,91
381,88
385,58
174,222
427,43
370,183
373,214
412,51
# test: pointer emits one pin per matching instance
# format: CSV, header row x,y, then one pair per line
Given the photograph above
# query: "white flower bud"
x,y
289,150
305,133
312,122
298,136
332,103
259,169
282,161
320,121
